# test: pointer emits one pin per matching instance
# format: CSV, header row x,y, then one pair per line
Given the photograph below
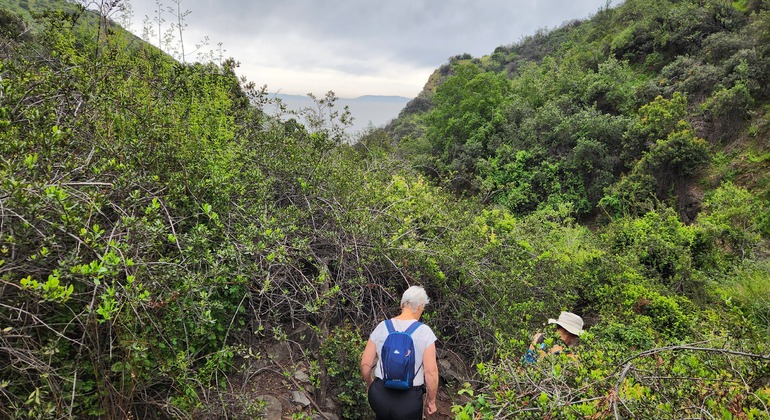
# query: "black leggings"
x,y
394,404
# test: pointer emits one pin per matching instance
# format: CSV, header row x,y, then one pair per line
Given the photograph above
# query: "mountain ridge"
x,y
374,98
374,110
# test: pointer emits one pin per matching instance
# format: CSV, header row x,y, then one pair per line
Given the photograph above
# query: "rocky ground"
x,y
273,384
284,402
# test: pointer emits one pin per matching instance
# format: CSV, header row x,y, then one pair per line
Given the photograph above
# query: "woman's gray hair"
x,y
414,297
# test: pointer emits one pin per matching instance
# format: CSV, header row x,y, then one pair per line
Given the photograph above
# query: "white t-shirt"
x,y
422,338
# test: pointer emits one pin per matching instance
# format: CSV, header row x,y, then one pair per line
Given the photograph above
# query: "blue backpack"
x,y
398,357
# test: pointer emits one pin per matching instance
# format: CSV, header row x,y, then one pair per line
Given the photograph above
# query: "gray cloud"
x,y
353,41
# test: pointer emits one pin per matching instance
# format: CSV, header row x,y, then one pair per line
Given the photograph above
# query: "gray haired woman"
x,y
404,404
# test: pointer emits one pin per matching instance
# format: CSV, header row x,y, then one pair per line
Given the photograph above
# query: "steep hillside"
x,y
650,101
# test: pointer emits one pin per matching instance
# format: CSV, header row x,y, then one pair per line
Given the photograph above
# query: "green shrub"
x,y
691,77
734,218
634,335
748,286
727,109
662,248
666,316
341,353
656,120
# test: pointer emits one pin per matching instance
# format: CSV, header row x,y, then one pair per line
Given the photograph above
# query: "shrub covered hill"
x,y
169,250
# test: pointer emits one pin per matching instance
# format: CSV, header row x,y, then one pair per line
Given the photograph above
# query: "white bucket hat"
x,y
570,322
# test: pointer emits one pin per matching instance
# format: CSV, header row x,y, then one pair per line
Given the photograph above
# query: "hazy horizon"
x,y
375,109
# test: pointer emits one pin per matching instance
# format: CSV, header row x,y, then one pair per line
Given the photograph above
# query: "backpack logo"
x,y
397,357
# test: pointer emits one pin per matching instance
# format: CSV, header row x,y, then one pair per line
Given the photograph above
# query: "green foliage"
x,y
663,314
691,77
611,89
155,223
728,109
602,382
105,208
680,155
656,120
326,123
667,29
747,287
342,352
466,116
51,290
662,247
691,66
671,156
520,182
735,219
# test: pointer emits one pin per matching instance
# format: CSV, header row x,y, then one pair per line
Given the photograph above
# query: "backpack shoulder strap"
x,y
389,325
412,328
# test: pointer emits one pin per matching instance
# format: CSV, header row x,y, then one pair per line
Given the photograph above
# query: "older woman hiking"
x,y
393,396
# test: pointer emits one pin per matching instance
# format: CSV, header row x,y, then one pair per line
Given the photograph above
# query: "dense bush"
x,y
467,114
671,381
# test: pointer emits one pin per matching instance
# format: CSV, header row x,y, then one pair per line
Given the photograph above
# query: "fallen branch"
x,y
83,184
694,348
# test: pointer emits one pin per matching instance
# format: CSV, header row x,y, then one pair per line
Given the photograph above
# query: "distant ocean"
x,y
366,110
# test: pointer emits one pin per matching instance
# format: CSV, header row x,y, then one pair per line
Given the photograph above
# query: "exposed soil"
x,y
276,372
443,404
272,383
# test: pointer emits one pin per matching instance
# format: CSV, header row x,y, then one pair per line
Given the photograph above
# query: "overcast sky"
x,y
356,47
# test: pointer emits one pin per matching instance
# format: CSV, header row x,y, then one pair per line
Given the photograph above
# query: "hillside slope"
x,y
650,101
